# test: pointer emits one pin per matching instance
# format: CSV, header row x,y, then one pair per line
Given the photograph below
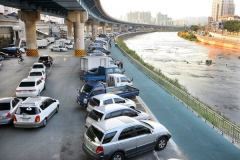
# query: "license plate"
x,y
89,146
24,91
25,119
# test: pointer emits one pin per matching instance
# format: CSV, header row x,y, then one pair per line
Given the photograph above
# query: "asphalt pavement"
x,y
62,138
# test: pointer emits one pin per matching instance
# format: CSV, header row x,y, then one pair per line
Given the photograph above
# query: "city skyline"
x,y
179,10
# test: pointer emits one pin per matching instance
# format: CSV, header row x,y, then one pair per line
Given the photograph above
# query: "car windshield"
x,y
27,84
35,74
27,110
94,134
97,116
37,66
86,89
4,106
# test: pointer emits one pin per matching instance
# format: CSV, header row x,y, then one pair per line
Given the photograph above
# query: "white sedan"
x,y
37,73
58,48
30,87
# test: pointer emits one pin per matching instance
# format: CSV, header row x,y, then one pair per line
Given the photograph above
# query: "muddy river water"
x,y
218,84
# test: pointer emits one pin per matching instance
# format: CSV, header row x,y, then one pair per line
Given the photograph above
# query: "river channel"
x,y
218,84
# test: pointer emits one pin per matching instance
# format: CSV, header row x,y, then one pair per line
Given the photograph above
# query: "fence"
x,y
228,129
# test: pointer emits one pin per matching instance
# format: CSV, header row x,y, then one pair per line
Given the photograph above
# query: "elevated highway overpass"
x,y
76,13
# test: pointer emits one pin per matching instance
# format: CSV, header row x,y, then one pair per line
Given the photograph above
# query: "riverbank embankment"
x,y
221,41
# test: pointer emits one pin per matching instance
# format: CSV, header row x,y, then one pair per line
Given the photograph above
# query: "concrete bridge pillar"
x,y
103,24
78,19
87,24
126,28
30,17
119,28
69,27
111,28
94,24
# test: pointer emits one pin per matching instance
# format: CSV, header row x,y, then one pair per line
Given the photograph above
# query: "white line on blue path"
x,y
167,107
153,118
202,142
176,116
187,127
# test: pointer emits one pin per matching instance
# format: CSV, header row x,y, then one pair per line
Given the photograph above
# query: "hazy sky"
x,y
175,9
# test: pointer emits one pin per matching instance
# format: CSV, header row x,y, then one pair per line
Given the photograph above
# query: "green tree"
x,y
194,27
232,26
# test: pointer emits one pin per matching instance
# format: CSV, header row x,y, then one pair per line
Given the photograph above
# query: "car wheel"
x,y
51,49
61,50
44,122
57,109
44,87
117,156
161,143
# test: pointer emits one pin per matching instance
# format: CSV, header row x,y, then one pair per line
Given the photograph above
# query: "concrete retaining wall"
x,y
130,35
232,44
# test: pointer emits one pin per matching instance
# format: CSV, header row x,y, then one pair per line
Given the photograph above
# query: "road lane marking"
x,y
202,142
176,116
167,107
187,127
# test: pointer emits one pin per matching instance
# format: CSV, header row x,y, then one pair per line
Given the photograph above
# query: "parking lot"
x,y
63,135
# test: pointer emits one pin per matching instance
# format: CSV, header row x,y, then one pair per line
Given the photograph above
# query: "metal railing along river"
x,y
228,129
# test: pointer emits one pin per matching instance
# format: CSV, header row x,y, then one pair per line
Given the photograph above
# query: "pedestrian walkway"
x,y
194,137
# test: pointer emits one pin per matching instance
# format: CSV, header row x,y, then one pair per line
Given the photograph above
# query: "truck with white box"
x,y
65,43
88,63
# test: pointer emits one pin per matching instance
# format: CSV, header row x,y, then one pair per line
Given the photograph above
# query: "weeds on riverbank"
x,y
133,54
187,35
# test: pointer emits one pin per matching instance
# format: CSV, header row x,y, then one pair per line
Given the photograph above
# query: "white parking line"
x,y
155,155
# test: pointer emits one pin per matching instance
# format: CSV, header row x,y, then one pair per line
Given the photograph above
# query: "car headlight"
x,y
85,100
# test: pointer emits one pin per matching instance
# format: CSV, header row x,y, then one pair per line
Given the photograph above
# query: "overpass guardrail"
x,y
218,122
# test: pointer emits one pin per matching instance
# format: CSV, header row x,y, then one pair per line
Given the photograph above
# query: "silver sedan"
x,y
8,107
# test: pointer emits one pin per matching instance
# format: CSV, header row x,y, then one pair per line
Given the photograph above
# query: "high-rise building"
x,y
139,17
222,8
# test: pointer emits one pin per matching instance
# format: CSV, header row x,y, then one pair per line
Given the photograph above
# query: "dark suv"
x,y
11,51
46,59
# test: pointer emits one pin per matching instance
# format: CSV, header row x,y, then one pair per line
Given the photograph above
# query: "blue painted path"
x,y
195,138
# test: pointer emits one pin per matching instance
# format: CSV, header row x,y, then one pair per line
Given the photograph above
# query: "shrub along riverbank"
x,y
187,35
133,54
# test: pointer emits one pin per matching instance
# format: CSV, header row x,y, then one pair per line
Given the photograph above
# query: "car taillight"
x,y
42,78
99,150
37,119
8,115
18,90
14,119
33,90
